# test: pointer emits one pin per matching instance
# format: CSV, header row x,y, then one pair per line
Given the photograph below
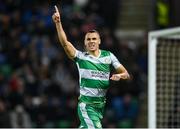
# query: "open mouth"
x,y
91,45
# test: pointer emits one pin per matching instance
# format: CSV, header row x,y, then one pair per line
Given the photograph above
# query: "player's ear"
x,y
99,41
84,41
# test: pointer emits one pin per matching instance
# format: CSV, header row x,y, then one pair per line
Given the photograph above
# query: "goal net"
x,y
164,79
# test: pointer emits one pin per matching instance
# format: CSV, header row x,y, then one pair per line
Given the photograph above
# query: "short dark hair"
x,y
93,31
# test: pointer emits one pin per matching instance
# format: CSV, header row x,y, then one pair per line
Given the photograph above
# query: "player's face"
x,y
92,41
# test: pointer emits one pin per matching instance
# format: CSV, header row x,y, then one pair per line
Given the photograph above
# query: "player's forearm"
x,y
122,72
119,76
61,34
125,75
68,47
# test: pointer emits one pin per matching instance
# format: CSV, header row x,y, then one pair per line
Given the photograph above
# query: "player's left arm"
x,y
122,73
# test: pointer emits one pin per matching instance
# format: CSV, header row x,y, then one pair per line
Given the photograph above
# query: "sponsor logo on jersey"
x,y
100,74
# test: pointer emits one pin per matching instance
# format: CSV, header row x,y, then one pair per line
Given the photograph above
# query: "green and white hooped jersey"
x,y
94,75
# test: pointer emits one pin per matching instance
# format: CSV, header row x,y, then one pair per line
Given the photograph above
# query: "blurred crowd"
x,y
39,84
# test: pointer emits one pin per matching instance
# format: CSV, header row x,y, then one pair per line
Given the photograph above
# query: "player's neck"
x,y
94,53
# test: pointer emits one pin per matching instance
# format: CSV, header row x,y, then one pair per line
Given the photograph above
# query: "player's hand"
x,y
115,77
56,15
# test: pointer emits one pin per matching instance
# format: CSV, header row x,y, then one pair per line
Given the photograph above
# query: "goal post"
x,y
164,78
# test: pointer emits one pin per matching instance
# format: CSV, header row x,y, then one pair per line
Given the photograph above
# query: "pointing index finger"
x,y
56,9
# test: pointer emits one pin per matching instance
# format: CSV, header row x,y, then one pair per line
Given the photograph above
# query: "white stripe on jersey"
x,y
93,92
93,74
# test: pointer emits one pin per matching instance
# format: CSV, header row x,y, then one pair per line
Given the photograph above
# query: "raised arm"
x,y
68,47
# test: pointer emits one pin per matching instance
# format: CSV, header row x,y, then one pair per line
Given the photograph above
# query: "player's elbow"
x,y
70,53
128,76
71,56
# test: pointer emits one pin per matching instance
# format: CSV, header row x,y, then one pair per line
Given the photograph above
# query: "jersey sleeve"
x,y
114,61
78,55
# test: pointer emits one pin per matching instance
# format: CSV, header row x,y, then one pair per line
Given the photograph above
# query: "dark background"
x,y
39,84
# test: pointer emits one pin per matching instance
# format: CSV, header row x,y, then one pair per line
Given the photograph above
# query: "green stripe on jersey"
x,y
94,83
94,76
85,64
99,101
104,53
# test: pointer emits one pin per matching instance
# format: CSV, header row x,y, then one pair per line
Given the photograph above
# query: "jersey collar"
x,y
95,56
